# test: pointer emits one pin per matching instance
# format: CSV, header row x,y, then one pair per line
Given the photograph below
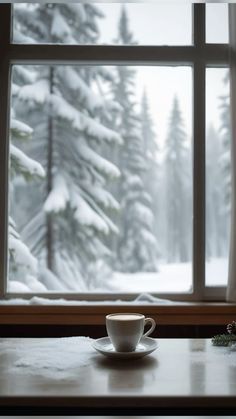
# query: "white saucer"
x,y
105,347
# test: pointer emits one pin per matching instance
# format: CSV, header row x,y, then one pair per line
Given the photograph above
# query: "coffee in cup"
x,y
126,329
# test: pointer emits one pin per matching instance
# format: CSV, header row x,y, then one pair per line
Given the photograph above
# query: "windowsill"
x,y
184,313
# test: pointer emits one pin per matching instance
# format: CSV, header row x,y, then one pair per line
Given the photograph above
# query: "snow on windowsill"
x,y
56,358
142,299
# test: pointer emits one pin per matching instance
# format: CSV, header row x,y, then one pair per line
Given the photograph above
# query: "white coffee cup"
x,y
126,329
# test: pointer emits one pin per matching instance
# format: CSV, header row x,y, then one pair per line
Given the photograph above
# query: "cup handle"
x,y
153,325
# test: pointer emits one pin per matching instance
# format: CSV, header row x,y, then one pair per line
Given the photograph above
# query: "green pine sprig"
x,y
226,339
223,340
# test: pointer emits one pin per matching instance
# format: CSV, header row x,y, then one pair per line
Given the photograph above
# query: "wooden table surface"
x,y
181,373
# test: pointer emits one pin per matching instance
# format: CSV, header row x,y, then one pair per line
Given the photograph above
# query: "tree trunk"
x,y
50,255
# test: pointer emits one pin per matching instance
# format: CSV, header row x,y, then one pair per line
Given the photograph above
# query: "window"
x,y
108,167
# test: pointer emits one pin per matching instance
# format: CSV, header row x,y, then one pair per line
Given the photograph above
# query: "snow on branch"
x,y
25,74
58,197
25,165
37,92
102,196
86,216
22,255
82,122
99,211
141,212
95,160
20,38
60,29
20,129
78,11
91,100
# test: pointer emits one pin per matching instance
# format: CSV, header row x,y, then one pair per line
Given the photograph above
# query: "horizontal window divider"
x,y
126,55
175,314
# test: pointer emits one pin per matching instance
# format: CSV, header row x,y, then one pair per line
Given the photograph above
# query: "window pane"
x,y
217,26
103,23
218,177
101,179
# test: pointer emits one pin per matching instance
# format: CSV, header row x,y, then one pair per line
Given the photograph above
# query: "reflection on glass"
x,y
101,179
99,23
217,26
218,176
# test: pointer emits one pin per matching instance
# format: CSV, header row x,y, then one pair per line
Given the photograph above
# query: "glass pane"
x,y
218,176
103,23
101,179
217,25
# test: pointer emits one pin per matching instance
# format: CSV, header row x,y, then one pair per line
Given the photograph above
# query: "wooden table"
x,y
187,375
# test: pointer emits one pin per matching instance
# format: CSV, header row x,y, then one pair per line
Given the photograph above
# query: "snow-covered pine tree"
x,y
226,141
137,247
151,151
215,218
178,216
23,266
66,108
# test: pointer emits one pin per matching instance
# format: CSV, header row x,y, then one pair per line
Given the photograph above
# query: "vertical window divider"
x,y
5,40
199,154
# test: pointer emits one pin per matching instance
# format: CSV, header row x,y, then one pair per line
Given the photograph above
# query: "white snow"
x,y
90,99
142,212
142,299
86,95
34,284
86,216
101,164
25,73
100,195
58,197
82,122
54,358
149,238
78,10
51,281
20,38
217,272
169,278
29,284
16,287
21,129
37,92
26,164
59,28
22,255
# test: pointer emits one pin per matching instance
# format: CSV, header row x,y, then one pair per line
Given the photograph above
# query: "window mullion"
x,y
5,25
199,156
5,37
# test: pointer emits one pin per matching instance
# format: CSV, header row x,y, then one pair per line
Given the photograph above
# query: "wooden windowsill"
x,y
181,314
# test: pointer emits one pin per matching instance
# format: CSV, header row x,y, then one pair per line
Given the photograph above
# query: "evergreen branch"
x,y
223,340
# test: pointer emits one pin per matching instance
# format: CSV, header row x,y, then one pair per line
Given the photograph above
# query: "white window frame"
x,y
199,56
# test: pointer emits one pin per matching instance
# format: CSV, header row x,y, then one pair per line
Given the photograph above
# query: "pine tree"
x,y
226,140
66,110
137,247
151,151
23,266
178,219
215,224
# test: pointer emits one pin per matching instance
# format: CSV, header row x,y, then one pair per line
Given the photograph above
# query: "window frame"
x,y
199,56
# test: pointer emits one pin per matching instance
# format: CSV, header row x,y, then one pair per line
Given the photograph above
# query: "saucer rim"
x,y
147,351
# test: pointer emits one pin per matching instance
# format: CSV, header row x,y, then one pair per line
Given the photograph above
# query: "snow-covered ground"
x,y
170,278
176,277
